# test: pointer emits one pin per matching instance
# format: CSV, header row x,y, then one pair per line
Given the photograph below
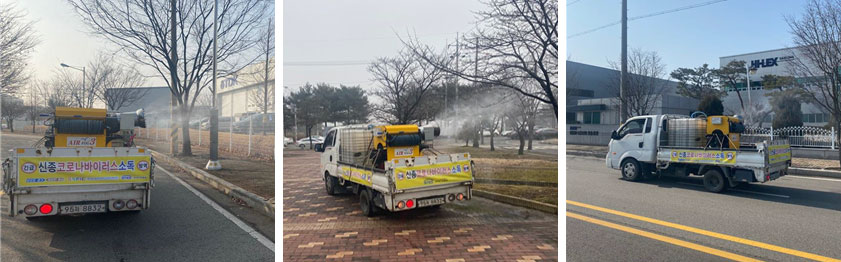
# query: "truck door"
x,y
329,156
629,140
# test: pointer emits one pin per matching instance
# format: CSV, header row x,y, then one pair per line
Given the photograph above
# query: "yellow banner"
x,y
360,176
704,156
52,171
779,153
409,177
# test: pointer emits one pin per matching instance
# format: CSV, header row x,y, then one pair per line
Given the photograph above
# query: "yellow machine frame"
x,y
722,124
80,113
381,133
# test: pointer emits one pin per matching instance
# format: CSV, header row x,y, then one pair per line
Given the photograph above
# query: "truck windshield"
x,y
632,127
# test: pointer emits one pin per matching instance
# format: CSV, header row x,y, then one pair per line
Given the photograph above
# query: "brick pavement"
x,y
319,227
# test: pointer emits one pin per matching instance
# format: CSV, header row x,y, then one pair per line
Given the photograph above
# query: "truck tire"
x,y
714,181
330,184
631,169
366,203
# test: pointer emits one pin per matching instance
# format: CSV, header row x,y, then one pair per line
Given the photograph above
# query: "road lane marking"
x,y
740,190
256,235
815,178
708,233
670,240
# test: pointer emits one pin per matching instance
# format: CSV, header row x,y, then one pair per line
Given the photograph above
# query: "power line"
x,y
646,16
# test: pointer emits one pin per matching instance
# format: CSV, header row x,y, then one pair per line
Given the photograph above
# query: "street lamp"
x,y
84,75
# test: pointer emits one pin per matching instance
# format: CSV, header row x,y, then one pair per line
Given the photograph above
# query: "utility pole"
x,y
213,163
623,78
174,82
458,56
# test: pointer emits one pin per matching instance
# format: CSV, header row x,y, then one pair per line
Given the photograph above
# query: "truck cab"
x,y
635,139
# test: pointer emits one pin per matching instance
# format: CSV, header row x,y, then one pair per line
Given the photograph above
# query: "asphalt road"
x,y
178,226
320,227
675,219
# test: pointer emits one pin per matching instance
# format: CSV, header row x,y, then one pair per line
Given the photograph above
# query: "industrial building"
x,y
592,103
772,62
238,91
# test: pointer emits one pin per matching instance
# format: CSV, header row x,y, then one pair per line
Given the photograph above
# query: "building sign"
x,y
770,62
228,82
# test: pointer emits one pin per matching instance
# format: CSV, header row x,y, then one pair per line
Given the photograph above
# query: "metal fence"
x,y
798,136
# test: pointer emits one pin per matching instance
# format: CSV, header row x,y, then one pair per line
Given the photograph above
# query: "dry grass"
x,y
547,195
815,163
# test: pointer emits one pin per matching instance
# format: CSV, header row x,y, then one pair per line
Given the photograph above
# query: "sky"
x,y
687,38
353,33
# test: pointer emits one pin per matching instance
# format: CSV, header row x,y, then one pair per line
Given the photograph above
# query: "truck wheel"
x,y
631,170
714,181
366,203
330,184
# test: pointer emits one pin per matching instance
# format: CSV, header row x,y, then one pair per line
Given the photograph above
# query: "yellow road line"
x,y
709,233
670,240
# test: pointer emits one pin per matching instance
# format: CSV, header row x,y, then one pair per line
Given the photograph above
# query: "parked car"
x,y
305,142
195,124
546,133
509,134
242,126
287,141
224,124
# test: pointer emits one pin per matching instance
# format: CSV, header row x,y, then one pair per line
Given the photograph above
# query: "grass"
x,y
498,153
547,195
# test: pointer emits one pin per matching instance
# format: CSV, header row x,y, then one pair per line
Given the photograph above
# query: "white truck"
x,y
393,168
88,164
674,145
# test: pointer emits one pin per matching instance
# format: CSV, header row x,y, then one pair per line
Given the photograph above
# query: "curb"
x,y
514,182
586,153
814,172
254,201
521,202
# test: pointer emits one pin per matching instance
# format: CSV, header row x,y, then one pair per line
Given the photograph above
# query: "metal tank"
x,y
687,132
355,145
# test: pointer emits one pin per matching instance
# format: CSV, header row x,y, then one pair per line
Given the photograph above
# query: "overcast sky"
x,y
64,39
352,33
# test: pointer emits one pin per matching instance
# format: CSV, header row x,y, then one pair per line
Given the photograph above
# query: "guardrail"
x,y
798,136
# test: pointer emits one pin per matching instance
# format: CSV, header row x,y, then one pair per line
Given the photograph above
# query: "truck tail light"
x,y
131,204
118,204
460,196
410,203
30,209
46,208
400,204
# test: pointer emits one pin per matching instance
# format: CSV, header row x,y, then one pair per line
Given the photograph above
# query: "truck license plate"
x,y
430,202
89,208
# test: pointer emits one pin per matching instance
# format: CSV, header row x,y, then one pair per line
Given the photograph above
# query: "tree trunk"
x,y
531,133
522,144
838,137
476,136
186,148
11,125
492,140
33,126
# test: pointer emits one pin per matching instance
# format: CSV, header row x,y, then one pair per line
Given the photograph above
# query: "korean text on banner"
x,y
415,176
703,156
53,171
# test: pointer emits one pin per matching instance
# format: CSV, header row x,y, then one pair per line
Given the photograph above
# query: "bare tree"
x,y
33,107
17,41
12,107
516,40
141,29
817,33
404,83
520,113
81,94
114,84
645,82
732,75
53,93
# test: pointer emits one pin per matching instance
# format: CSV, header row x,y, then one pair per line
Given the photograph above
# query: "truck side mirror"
x,y
319,147
614,135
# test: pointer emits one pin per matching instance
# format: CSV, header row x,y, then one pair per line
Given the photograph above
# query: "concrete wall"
x,y
589,134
